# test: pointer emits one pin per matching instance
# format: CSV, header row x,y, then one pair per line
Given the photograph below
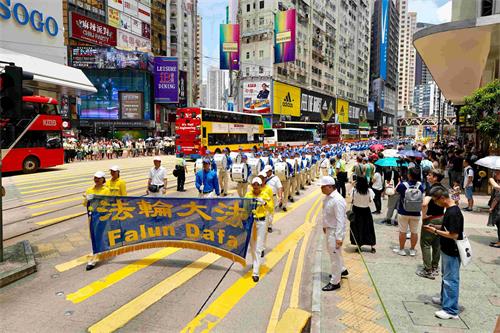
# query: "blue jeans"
x,y
450,268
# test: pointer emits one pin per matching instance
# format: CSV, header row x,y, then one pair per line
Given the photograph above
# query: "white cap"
x,y
323,153
263,174
257,180
100,174
326,180
157,158
268,168
114,168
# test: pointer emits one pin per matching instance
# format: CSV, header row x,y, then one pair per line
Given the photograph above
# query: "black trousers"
x,y
341,180
181,179
378,199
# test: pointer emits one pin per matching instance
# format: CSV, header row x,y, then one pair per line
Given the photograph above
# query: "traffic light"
x,y
12,91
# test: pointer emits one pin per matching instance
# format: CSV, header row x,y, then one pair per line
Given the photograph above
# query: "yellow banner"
x,y
342,111
113,17
286,99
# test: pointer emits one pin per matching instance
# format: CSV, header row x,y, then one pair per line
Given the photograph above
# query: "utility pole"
x,y
439,116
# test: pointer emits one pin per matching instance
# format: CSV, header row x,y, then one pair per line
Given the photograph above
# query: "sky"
x,y
213,13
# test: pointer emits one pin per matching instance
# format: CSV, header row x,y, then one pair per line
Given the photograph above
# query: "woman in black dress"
x,y
362,229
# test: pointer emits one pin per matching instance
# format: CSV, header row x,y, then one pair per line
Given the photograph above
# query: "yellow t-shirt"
x,y
92,190
117,187
261,211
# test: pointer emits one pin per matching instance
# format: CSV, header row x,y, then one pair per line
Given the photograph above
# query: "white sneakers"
x,y
441,314
436,300
400,252
413,252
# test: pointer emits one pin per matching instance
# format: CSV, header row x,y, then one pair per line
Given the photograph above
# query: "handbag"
x,y
464,249
351,216
154,188
175,172
389,189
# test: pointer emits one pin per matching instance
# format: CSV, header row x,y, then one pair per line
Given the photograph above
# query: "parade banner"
x,y
166,78
284,36
125,224
229,46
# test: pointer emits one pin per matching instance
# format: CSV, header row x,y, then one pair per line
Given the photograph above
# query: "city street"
x,y
172,290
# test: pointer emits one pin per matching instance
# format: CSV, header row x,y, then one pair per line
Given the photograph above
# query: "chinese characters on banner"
x,y
123,224
166,76
89,30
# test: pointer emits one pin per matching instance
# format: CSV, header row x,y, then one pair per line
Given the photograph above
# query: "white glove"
x,y
260,202
201,188
90,196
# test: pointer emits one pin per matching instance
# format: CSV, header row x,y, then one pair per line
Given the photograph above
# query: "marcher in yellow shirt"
x,y
116,185
269,217
98,189
264,207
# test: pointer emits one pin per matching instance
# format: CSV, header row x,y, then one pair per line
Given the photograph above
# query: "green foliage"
x,y
482,108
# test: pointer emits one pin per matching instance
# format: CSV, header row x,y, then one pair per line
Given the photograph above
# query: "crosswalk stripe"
x,y
219,308
127,312
66,266
97,286
59,219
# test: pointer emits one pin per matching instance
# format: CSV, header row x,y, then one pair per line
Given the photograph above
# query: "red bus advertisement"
x,y
333,133
34,140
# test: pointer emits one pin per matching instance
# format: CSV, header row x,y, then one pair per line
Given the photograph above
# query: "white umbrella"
x,y
391,153
490,162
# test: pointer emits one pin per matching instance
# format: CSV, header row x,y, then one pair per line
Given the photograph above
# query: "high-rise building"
x,y
204,95
159,27
422,73
384,64
198,61
331,54
216,88
406,63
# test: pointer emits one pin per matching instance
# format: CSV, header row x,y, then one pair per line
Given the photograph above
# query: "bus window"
x,y
204,132
268,133
40,139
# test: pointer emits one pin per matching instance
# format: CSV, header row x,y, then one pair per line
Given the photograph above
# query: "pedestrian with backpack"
x,y
410,206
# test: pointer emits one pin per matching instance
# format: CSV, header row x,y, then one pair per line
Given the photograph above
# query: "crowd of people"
x,y
87,149
410,175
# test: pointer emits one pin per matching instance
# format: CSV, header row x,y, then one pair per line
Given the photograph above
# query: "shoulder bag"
x,y
350,213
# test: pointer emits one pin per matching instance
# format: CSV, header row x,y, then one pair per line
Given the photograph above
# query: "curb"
x,y
19,262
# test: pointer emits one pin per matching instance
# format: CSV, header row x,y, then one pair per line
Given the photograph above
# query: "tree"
x,y
482,108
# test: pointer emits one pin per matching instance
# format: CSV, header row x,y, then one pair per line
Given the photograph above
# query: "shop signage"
x,y
257,96
317,103
113,17
182,89
286,99
97,57
92,31
130,42
117,4
144,13
130,7
131,105
166,78
342,111
22,15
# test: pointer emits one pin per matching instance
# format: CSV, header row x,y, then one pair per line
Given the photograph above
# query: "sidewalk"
x,y
406,296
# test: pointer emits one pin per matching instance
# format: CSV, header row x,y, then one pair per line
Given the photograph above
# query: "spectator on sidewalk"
x,y
181,170
362,229
378,188
391,181
429,243
451,230
468,184
334,227
409,211
494,204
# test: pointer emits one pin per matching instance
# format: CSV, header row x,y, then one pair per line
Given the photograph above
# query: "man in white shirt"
x,y
334,226
324,164
468,184
157,181
275,184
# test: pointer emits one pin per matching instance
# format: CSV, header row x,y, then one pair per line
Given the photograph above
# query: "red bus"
x,y
333,133
33,140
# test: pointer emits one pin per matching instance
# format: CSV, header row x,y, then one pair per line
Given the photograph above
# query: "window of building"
x,y
248,7
248,26
248,55
261,69
261,4
261,53
261,21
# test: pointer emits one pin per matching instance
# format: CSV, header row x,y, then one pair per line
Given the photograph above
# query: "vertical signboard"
x,y
257,97
342,111
113,17
166,78
284,36
384,38
183,89
229,46
286,100
131,105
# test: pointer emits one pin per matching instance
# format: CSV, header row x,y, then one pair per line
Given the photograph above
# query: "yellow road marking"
x,y
97,286
60,218
275,313
294,298
219,308
124,314
73,263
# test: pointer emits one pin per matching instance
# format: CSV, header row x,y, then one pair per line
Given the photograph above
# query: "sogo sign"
x,y
22,15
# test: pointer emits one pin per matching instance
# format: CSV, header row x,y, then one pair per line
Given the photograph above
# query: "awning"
x,y
460,55
50,75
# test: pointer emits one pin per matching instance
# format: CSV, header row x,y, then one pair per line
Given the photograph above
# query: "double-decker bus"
x,y
32,140
318,129
198,129
333,133
282,137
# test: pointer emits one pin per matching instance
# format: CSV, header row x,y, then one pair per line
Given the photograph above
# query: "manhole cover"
x,y
422,314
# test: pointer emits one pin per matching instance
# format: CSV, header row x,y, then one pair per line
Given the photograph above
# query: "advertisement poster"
x,y
98,57
183,89
371,111
342,111
286,99
229,46
318,103
144,13
113,17
131,105
257,97
384,28
146,30
166,78
284,36
92,31
116,4
354,113
130,42
130,7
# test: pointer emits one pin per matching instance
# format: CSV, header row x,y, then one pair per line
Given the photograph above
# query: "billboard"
x,y
371,111
286,99
257,96
131,105
130,42
342,111
284,36
116,4
113,17
384,38
130,7
229,46
144,13
183,86
354,111
97,57
166,78
92,31
318,103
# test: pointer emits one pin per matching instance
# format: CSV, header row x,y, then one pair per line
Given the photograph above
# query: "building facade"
x,y
407,53
159,27
198,61
216,89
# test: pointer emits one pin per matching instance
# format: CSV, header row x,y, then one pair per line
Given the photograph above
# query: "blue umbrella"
x,y
390,162
412,153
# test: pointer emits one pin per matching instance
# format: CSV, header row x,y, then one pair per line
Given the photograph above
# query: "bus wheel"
x,y
31,164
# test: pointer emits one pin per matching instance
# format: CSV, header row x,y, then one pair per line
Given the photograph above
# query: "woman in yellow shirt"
x,y
98,189
116,185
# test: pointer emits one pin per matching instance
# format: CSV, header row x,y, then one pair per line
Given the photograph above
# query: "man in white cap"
x,y
264,207
274,183
334,226
324,164
157,181
116,185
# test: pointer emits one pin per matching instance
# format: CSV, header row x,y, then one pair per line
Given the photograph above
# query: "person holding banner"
x,y
267,190
117,186
206,181
99,188
264,207
157,181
